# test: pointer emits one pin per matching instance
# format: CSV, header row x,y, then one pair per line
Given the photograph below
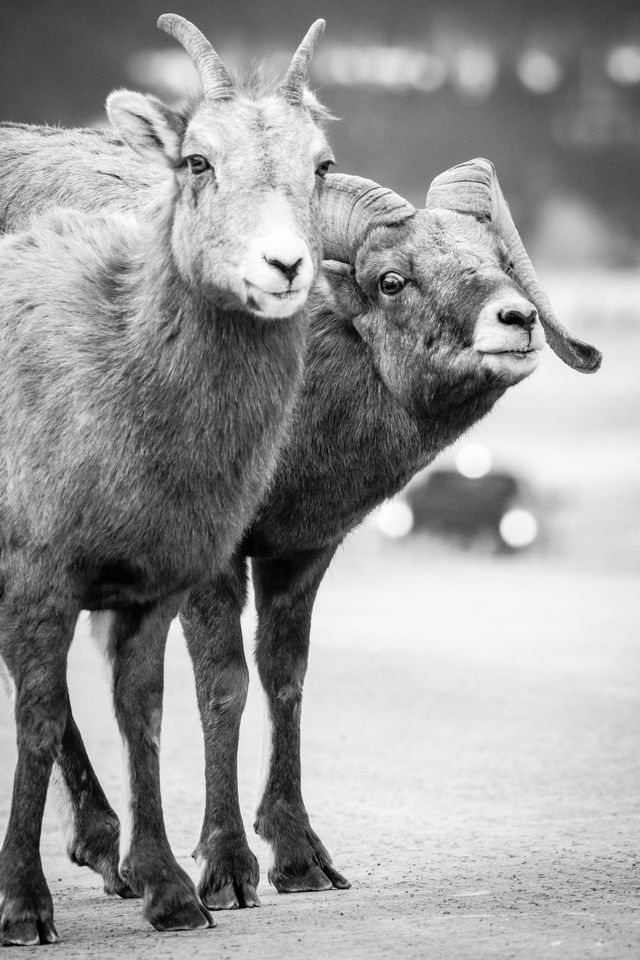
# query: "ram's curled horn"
x,y
473,188
351,207
217,83
295,79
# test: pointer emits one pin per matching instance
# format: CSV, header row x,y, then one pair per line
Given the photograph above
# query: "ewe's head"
x,y
246,167
444,294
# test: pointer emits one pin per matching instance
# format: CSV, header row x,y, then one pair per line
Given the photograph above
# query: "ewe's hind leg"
x,y
285,591
35,633
136,651
211,622
91,826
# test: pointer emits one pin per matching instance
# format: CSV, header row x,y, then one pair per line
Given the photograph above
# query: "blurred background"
x,y
497,598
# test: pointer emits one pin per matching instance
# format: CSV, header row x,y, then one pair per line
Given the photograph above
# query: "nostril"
x,y
518,318
288,269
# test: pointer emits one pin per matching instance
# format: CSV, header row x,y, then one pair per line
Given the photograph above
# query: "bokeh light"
x,y
395,519
539,72
518,528
623,64
473,461
475,71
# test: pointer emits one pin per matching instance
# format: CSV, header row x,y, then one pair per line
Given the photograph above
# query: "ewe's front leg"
x,y
285,591
211,622
91,827
136,651
35,633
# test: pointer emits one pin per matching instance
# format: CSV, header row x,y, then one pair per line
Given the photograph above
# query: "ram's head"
x,y
441,295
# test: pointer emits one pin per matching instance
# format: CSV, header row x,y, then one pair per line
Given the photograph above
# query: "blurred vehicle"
x,y
470,503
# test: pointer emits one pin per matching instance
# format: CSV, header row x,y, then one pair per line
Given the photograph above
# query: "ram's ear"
x,y
337,287
147,125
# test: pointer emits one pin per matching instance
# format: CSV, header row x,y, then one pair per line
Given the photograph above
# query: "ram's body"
x,y
390,381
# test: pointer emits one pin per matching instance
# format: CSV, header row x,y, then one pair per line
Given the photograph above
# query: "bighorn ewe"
x,y
429,318
147,371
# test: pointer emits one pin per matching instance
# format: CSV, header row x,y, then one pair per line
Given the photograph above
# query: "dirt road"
x,y
471,761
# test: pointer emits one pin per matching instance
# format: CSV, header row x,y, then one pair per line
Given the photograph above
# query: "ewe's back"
x,y
44,167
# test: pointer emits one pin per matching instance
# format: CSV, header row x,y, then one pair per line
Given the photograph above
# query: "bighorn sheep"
x,y
148,367
418,327
412,342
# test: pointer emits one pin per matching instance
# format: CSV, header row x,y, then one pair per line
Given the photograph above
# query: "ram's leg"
x,y
91,827
285,591
35,634
211,622
135,649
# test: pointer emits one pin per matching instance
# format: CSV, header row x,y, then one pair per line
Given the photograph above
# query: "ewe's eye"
x,y
197,163
391,283
324,168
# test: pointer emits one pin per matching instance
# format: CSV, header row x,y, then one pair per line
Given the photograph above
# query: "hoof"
x,y
117,886
98,849
26,909
229,874
120,888
233,896
338,881
311,880
28,933
188,916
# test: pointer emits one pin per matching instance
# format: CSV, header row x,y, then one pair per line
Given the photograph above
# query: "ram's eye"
x,y
197,163
391,283
323,169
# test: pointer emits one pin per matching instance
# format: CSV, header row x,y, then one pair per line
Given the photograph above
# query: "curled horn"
x,y
295,79
351,207
473,188
216,80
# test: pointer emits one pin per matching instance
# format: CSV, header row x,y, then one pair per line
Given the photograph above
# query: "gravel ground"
x,y
471,761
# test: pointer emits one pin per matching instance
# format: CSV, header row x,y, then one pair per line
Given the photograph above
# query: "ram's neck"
x,y
353,443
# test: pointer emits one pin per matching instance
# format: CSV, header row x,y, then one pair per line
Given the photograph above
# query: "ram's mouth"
x,y
514,365
521,354
518,354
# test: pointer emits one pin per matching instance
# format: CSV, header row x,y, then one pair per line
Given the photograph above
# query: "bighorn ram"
x,y
421,321
148,367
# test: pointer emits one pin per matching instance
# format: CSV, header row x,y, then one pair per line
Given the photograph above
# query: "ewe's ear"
x,y
147,125
337,286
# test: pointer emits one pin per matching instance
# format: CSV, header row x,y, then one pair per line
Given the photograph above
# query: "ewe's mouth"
x,y
253,291
263,301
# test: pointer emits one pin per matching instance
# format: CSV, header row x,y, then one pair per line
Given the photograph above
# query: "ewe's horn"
x,y
351,207
216,80
473,188
295,79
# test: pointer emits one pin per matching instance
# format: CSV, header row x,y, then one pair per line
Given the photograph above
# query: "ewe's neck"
x,y
194,358
170,315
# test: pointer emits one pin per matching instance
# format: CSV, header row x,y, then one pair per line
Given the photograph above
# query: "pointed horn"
x,y
295,79
216,80
351,207
473,188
